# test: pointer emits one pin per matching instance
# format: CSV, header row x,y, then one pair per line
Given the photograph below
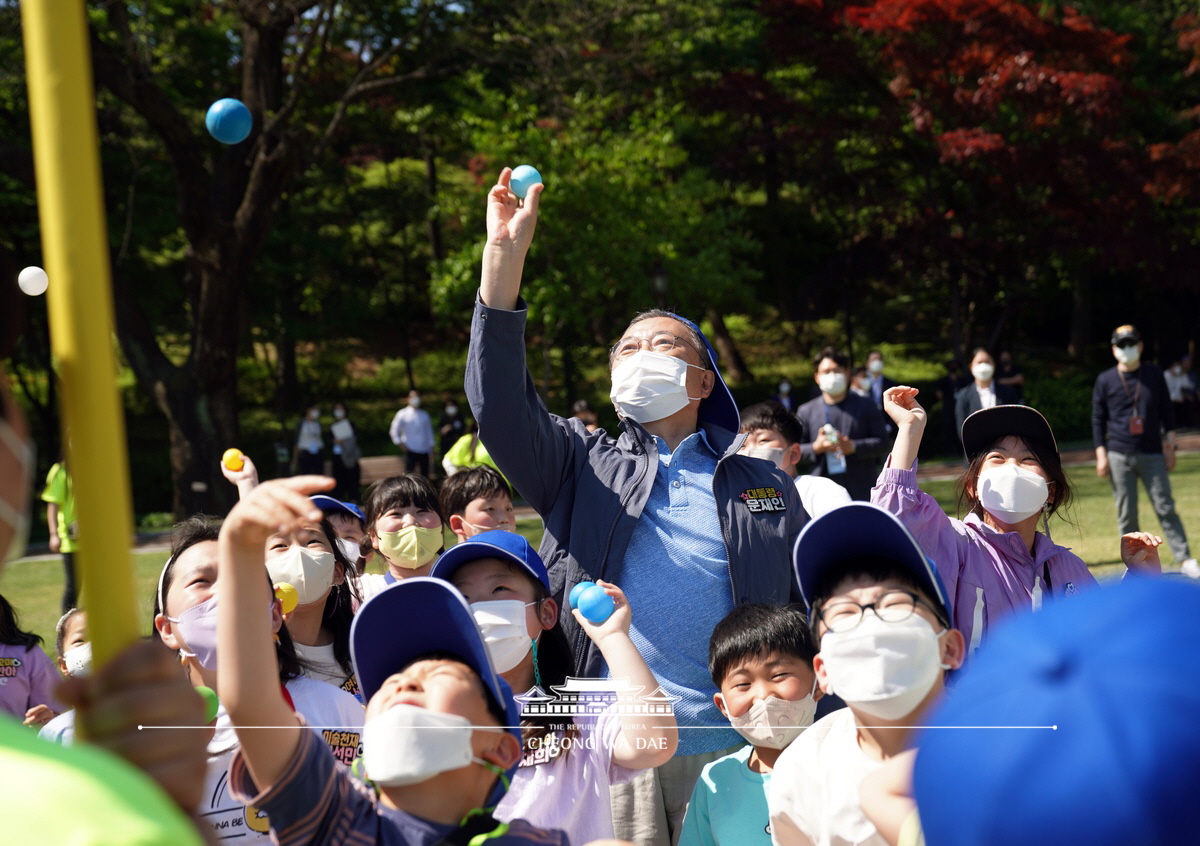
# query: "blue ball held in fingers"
x,y
229,121
573,599
523,178
595,605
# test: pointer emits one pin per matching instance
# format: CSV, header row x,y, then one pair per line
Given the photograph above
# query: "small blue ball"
x,y
523,178
229,121
573,599
595,605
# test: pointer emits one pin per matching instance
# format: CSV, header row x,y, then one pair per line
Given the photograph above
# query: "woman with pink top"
x,y
995,561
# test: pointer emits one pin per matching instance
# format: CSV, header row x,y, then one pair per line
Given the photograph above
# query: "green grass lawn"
x,y
34,586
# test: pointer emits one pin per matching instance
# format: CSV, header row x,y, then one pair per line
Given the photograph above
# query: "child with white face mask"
x,y
73,653
440,740
569,761
313,563
884,627
760,657
995,561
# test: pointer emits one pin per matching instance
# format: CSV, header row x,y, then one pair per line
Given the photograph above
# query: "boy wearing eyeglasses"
x,y
885,634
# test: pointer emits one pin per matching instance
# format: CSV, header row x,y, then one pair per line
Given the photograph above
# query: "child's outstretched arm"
x,y
656,734
245,479
139,706
510,226
247,668
1139,551
900,404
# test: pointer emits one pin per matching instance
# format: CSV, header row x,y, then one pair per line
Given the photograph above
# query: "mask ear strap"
x,y
537,672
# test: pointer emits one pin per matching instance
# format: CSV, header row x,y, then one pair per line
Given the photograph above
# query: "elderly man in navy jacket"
x,y
668,510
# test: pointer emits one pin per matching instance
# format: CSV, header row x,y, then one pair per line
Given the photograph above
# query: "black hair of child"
x,y
472,483
11,632
756,630
339,611
772,416
400,491
201,528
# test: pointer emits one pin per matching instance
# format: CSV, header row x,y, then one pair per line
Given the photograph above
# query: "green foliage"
x,y
1065,399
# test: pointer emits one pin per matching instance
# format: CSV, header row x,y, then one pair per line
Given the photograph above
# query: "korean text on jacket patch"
x,y
764,499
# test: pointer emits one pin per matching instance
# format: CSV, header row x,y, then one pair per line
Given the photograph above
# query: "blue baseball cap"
x,y
507,546
718,408
329,505
1106,681
419,616
850,533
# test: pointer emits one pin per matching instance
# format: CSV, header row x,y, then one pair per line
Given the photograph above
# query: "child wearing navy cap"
x,y
440,740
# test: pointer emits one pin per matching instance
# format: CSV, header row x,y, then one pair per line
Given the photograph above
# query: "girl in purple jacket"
x,y
995,561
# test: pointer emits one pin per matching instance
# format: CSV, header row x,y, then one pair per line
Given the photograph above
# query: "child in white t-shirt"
x,y
884,626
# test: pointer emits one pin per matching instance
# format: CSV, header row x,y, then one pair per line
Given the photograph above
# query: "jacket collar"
x,y
1012,546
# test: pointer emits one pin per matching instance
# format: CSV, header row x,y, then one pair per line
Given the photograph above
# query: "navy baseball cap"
x,y
848,534
507,546
1076,724
983,428
718,407
419,616
329,505
1126,333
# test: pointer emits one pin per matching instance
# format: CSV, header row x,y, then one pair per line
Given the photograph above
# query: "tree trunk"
x,y
733,366
1081,318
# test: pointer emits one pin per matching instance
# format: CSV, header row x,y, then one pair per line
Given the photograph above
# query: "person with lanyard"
x,y
1133,425
667,509
994,562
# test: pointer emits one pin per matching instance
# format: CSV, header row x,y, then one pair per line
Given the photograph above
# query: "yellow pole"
x,y
75,249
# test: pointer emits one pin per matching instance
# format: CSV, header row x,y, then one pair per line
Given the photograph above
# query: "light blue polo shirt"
x,y
676,576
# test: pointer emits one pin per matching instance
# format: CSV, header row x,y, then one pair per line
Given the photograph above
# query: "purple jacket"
x,y
27,678
988,574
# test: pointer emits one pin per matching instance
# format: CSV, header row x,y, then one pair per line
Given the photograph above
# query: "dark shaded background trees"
x,y
954,173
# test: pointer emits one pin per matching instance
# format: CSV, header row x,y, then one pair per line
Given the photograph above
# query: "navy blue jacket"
x,y
590,488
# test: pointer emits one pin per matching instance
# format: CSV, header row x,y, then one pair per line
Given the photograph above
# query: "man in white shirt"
x,y
412,431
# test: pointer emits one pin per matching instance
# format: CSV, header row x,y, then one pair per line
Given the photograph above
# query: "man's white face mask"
x,y
649,386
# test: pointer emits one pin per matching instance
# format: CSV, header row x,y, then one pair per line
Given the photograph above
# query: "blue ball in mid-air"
x,y
595,604
523,178
229,121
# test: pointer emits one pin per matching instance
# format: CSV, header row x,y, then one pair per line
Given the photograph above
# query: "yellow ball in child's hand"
x,y
287,596
232,459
